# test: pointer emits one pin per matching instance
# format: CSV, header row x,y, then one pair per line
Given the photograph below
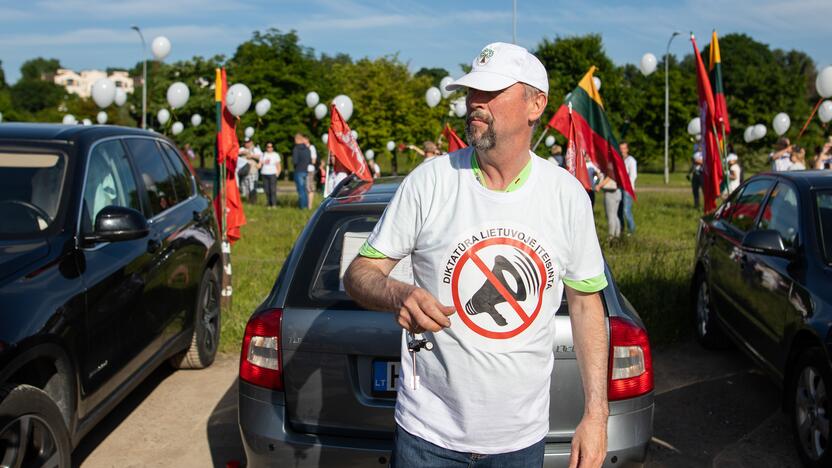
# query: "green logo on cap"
x,y
485,55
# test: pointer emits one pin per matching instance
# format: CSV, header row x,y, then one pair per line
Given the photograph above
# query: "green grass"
x,y
652,268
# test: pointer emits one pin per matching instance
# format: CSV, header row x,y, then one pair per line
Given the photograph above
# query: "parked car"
x,y
763,280
109,266
318,373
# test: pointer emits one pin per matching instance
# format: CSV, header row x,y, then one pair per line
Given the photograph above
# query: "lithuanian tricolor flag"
x,y
592,127
720,106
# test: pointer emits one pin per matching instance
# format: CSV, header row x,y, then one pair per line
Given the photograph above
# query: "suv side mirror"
x,y
118,223
766,241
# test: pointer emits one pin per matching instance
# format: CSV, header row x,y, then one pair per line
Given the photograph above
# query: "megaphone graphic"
x,y
487,297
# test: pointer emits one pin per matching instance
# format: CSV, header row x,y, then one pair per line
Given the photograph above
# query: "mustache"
x,y
480,114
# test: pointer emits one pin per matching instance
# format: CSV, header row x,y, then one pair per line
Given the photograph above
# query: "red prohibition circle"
x,y
455,290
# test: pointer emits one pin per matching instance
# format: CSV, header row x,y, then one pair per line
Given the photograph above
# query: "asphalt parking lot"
x,y
712,409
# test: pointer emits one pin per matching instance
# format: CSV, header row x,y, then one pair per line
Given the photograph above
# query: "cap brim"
x,y
483,81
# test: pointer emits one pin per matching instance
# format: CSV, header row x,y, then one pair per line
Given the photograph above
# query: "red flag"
x,y
576,155
454,141
343,147
721,106
712,162
589,120
227,149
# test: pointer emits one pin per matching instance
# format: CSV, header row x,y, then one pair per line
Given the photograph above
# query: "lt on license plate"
x,y
385,376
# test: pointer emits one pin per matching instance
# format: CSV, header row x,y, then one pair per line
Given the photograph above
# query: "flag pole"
x,y
811,116
545,131
226,290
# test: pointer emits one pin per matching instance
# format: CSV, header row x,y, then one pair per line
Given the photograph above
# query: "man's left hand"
x,y
589,445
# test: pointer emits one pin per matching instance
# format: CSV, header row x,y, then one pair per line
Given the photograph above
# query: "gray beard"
x,y
486,141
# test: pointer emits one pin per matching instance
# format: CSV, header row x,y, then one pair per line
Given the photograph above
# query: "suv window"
x,y
157,178
182,175
742,214
824,200
342,245
110,182
30,193
781,213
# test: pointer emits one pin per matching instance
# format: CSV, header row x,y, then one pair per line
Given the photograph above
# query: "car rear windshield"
x,y
31,191
824,200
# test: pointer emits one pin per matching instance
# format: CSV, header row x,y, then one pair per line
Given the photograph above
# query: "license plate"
x,y
385,376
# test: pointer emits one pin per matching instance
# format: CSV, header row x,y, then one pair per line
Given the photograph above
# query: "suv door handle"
x,y
153,245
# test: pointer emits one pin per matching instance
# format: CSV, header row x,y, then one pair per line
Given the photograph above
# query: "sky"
x,y
87,34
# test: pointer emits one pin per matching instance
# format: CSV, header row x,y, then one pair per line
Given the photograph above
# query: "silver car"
x,y
318,373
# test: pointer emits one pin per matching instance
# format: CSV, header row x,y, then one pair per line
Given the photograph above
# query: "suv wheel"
x,y
708,332
206,337
32,429
811,389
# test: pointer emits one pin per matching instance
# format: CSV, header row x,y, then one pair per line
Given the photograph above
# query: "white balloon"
x,y
196,119
460,108
369,154
391,145
748,135
597,82
249,132
121,97
344,105
163,116
647,64
550,141
312,99
320,111
103,92
823,83
238,99
69,119
445,82
759,131
177,128
101,117
160,47
262,107
178,94
433,96
325,138
86,122
695,126
354,135
825,111
781,123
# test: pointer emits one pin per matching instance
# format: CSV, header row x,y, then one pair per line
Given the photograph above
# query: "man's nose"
x,y
477,99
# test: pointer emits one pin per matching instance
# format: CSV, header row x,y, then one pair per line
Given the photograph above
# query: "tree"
x,y
433,74
39,69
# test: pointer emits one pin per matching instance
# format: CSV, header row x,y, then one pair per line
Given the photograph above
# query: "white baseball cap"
x,y
499,66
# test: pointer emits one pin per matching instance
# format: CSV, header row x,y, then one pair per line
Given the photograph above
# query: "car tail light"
x,y
631,364
260,359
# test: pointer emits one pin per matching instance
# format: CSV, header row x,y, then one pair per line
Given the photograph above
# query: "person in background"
x,y
301,157
734,172
374,167
556,155
824,158
612,202
252,154
310,172
429,150
781,156
241,173
695,176
627,200
189,152
270,170
797,159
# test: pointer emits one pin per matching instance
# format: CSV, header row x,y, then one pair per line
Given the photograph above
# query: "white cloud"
x,y
93,36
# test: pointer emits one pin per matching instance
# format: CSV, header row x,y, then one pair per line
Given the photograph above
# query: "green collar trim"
x,y
514,185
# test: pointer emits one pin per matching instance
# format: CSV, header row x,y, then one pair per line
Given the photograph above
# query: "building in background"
x,y
81,83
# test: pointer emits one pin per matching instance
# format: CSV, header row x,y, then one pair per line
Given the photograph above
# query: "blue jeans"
x,y
300,184
413,452
627,205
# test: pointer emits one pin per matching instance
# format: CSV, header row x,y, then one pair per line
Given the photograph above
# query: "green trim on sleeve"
x,y
514,185
369,251
589,285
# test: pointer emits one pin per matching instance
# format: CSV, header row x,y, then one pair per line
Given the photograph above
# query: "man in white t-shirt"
x,y
627,220
269,166
781,156
734,172
495,235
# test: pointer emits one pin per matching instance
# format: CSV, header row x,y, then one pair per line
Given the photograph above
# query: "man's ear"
x,y
537,106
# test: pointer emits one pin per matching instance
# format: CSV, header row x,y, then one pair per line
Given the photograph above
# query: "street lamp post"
x,y
144,77
667,108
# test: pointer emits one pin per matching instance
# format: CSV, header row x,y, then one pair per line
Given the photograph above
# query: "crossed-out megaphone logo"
x,y
508,275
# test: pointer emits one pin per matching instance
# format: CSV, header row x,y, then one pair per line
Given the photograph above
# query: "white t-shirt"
x,y
734,169
313,157
631,165
781,164
270,161
484,388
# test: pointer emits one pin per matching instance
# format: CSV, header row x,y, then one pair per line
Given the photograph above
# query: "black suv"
x,y
764,280
110,264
